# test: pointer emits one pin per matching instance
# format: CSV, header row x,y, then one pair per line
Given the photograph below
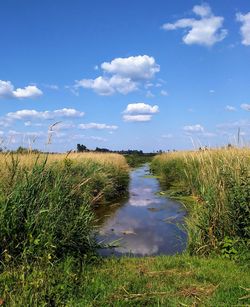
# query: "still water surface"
x,y
145,223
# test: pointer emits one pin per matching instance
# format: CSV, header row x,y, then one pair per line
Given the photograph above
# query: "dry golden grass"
x,y
30,158
225,153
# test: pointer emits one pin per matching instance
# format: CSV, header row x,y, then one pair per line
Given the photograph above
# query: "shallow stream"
x,y
145,223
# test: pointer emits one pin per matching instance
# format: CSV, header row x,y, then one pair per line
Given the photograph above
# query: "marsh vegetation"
x,y
48,231
215,186
46,202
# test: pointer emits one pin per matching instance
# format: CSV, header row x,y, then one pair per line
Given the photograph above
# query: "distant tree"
x,y
22,150
81,148
102,149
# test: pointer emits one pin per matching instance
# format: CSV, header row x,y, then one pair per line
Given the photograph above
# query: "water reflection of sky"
x,y
146,223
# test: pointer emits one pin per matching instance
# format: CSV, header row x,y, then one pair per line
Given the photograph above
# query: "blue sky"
x,y
124,74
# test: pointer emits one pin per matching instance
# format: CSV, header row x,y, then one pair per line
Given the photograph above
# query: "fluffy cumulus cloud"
x,y
139,112
245,28
122,75
205,30
7,91
33,114
97,126
142,67
141,108
107,86
245,106
193,128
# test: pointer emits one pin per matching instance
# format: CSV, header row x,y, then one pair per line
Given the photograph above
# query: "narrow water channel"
x,y
145,223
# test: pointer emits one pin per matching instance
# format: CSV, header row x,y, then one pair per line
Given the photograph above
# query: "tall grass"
x,y
219,180
46,203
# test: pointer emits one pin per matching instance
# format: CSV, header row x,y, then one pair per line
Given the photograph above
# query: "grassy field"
x,y
149,281
217,185
48,245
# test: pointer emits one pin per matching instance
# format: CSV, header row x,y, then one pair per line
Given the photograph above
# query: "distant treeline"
x,y
83,148
22,150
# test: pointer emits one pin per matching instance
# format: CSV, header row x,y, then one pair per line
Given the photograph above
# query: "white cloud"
x,y
164,93
141,108
139,112
29,124
97,126
230,108
106,86
245,107
202,10
158,85
7,91
137,118
211,91
121,75
30,91
139,67
204,31
33,114
5,122
194,128
148,84
245,28
67,112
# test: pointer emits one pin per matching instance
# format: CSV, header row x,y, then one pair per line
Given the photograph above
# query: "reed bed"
x,y
219,181
46,203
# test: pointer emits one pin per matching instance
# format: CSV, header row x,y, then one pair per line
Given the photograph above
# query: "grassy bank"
x,y
218,184
46,203
150,281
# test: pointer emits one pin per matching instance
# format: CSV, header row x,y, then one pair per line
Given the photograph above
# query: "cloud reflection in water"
x,y
142,231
